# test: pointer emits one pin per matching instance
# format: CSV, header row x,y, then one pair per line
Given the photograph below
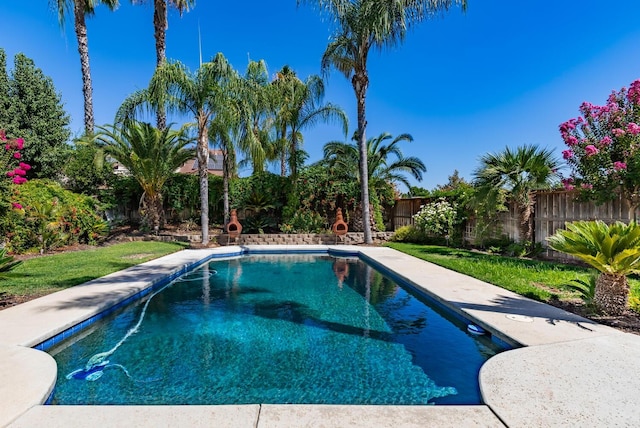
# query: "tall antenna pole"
x,y
199,43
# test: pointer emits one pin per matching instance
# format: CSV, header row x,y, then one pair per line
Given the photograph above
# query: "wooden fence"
x,y
552,209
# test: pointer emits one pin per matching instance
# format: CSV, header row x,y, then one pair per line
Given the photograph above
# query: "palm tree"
x,y
81,9
299,106
199,94
257,142
160,26
518,173
381,169
151,156
614,250
362,25
226,132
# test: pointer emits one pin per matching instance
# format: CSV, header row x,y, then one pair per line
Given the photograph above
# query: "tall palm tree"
x,y
614,250
299,106
160,26
360,26
257,142
381,168
226,132
174,87
82,9
151,156
518,173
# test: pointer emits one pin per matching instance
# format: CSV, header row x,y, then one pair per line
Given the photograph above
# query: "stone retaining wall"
x,y
351,238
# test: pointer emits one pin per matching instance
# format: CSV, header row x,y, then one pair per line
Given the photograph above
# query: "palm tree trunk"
x,y
360,82
612,293
225,187
203,174
160,31
154,206
524,219
83,50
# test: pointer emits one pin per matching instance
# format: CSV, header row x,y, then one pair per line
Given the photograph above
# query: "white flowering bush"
x,y
436,218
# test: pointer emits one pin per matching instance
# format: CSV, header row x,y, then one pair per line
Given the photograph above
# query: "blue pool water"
x,y
275,329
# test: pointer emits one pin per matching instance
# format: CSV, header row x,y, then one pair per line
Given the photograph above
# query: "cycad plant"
x,y
7,263
614,250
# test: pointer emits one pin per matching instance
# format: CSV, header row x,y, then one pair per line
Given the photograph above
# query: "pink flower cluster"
x,y
11,154
17,174
591,150
619,166
633,128
568,184
634,92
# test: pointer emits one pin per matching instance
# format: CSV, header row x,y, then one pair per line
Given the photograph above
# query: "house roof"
x,y
214,166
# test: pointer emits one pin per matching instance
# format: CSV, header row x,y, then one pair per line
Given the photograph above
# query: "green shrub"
x,y
51,217
305,222
408,234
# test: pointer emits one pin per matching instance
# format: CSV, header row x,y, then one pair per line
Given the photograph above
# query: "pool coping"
x,y
544,383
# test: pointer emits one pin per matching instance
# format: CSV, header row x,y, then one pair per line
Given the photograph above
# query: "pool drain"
x,y
519,318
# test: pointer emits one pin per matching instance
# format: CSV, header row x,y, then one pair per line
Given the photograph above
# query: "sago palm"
x,y
614,250
359,27
151,156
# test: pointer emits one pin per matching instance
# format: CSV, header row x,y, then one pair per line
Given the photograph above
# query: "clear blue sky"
x,y
504,73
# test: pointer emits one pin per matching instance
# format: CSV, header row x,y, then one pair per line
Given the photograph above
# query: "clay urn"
x,y
234,228
339,228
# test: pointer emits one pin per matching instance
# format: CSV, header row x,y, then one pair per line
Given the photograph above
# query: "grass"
x,y
535,279
43,275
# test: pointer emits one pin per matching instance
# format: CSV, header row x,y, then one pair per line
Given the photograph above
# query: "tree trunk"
x,y
83,50
160,21
612,293
225,187
525,228
203,174
360,82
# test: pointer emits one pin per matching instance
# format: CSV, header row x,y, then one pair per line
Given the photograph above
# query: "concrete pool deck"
x,y
570,371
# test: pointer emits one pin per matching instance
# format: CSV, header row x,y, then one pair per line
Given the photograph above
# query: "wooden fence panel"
x,y
553,208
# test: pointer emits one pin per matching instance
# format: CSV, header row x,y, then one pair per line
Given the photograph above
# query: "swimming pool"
x,y
275,329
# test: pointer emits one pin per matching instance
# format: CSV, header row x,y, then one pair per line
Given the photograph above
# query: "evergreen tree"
x,y
4,90
36,114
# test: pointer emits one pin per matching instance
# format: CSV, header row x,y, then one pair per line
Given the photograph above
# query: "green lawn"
x,y
43,275
538,280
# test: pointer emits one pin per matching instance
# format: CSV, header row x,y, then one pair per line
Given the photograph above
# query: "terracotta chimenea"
x,y
234,228
339,228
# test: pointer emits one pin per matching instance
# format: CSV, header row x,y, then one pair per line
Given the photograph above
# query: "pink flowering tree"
x,y
603,149
12,165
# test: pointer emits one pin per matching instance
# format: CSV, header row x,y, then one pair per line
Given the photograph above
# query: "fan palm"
x,y
151,156
199,94
82,9
381,168
519,173
614,250
360,26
